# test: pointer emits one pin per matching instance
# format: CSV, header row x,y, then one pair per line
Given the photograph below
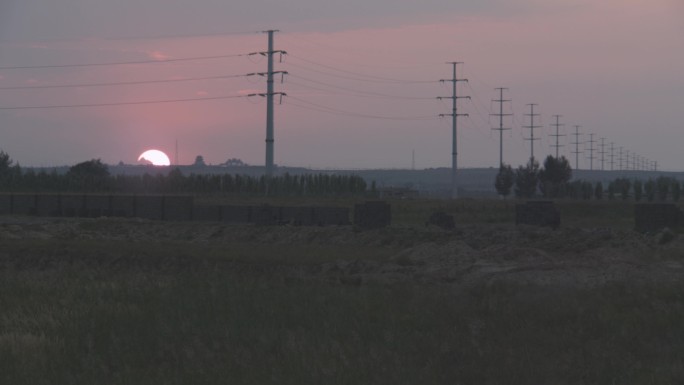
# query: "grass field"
x,y
137,302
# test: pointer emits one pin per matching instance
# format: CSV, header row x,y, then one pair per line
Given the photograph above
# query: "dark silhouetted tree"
x,y
622,186
504,180
598,191
553,177
638,190
92,175
199,161
611,190
650,190
526,179
663,184
676,190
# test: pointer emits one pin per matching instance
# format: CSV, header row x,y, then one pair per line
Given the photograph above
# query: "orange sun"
x,y
155,157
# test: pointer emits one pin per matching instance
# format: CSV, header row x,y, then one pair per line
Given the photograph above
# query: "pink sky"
x,y
613,67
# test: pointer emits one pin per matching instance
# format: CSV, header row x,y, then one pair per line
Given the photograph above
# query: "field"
x,y
127,301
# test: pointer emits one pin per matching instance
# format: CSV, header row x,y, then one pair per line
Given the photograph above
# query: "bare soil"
x,y
469,255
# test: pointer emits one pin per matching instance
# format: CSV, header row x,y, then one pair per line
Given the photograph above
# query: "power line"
x,y
361,79
125,62
355,91
382,78
123,83
335,111
123,38
126,103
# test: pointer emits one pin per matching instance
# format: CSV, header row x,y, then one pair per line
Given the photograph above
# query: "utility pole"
x,y
532,126
591,151
620,158
577,143
627,160
269,100
603,153
501,128
454,114
612,156
655,166
557,135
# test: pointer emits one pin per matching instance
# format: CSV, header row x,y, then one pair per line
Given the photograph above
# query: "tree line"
x,y
553,181
94,176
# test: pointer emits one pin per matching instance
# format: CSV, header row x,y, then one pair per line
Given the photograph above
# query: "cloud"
x,y
158,55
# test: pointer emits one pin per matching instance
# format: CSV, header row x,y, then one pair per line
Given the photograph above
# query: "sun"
x,y
156,157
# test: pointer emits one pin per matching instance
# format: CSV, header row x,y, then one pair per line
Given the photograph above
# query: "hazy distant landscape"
x,y
355,192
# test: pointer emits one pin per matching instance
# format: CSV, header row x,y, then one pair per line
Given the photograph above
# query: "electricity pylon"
x,y
532,126
454,114
501,128
577,143
557,135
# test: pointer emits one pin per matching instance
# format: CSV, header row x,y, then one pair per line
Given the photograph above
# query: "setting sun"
x,y
155,157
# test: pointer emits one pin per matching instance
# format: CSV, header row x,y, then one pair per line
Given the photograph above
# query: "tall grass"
x,y
95,318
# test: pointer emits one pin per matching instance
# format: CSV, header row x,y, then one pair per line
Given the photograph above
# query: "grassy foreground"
x,y
183,311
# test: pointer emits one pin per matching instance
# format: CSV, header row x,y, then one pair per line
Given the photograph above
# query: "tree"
x,y
611,190
623,185
587,190
598,191
526,179
638,190
504,180
89,175
555,174
650,189
9,174
663,184
199,161
676,190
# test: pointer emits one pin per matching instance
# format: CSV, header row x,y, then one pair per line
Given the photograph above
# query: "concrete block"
x,y
372,215
537,213
236,214
264,215
298,216
5,204
652,217
149,207
123,206
23,204
48,205
331,216
442,219
178,208
72,205
206,213
98,206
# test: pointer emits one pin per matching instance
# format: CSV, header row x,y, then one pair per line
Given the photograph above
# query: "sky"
x,y
362,81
